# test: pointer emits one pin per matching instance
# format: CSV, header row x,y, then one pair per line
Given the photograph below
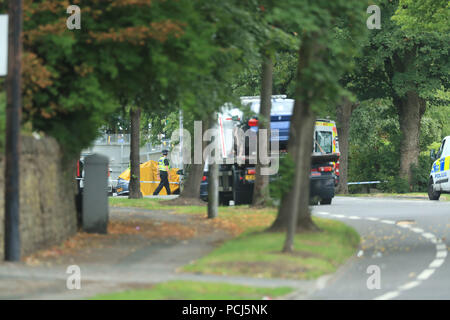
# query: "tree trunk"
x,y
344,112
300,217
300,147
135,170
410,111
191,186
261,194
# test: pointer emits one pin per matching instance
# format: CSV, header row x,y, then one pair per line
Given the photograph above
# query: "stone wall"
x,y
47,190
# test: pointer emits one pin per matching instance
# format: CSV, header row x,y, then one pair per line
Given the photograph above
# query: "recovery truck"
x,y
440,171
236,180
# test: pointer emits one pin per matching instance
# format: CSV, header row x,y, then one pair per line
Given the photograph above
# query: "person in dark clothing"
x,y
163,173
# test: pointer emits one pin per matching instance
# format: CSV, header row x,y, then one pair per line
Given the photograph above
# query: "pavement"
x,y
404,241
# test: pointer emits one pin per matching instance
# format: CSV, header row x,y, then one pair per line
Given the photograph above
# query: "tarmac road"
x,y
406,240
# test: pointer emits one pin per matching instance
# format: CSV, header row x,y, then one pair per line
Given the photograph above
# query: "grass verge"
x,y
257,254
194,290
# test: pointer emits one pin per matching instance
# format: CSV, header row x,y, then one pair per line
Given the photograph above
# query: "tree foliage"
x,y
423,15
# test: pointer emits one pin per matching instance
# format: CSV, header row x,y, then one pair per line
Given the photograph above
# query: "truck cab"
x,y
440,171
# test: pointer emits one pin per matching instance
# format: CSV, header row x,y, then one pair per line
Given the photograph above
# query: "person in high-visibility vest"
x,y
163,173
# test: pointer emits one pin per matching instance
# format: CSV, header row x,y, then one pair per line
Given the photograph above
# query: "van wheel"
x,y
432,195
325,201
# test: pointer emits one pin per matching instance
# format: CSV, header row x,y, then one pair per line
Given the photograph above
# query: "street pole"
x,y
181,139
13,115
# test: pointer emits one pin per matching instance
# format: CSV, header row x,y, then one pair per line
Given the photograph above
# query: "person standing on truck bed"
x,y
163,173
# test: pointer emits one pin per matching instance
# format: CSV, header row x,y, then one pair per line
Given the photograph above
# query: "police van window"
x,y
441,149
324,139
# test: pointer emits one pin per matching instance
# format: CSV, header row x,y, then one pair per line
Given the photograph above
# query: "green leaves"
x,y
423,15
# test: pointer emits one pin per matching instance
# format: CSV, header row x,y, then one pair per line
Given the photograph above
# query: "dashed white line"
x,y
436,263
428,235
409,285
425,274
389,295
441,254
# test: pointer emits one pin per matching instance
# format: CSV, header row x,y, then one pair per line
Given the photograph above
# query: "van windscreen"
x,y
323,142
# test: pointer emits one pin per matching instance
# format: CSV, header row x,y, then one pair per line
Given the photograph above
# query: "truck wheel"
x,y
325,201
432,195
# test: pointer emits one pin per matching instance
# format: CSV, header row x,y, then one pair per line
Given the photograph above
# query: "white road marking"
x,y
389,295
441,253
425,274
436,263
409,285
428,235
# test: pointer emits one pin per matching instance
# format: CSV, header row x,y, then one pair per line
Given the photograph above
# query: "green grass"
x,y
152,204
444,197
257,254
144,203
158,204
194,290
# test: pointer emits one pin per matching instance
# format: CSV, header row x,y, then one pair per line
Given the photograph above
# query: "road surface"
x,y
405,240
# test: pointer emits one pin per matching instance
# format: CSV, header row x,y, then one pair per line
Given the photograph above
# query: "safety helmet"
x,y
165,152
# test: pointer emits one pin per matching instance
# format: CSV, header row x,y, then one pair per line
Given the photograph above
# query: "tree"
x,y
210,85
261,186
323,57
423,15
135,169
344,111
408,67
271,38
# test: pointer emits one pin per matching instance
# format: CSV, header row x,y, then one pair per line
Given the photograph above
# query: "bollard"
x,y
95,194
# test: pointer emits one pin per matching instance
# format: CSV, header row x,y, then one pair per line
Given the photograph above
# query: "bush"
x,y
395,185
421,173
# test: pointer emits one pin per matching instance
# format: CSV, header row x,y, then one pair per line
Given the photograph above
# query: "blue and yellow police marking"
x,y
442,164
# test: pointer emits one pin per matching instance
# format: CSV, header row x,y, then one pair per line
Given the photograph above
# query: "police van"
x,y
440,171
